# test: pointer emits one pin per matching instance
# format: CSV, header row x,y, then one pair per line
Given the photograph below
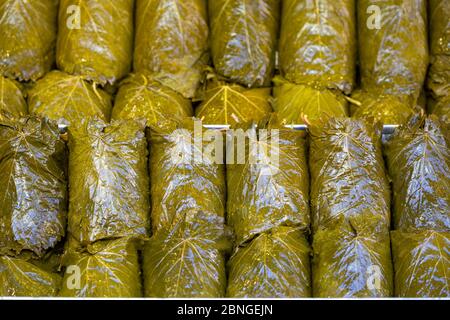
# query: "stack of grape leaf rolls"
x,y
268,209
33,203
418,159
350,202
140,154
185,257
109,208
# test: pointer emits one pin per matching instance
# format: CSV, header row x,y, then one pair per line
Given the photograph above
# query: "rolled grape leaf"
x,y
268,187
442,108
273,265
439,72
299,104
348,173
27,44
139,97
12,98
352,261
105,269
421,263
418,159
317,43
33,206
231,104
172,42
243,39
185,177
109,184
393,51
186,260
20,278
383,108
68,99
95,39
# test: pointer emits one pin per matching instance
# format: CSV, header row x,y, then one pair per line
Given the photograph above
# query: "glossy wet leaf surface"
x,y
140,97
20,278
386,109
232,104
439,74
418,159
243,39
171,42
33,197
421,263
317,43
108,269
347,173
352,261
109,184
182,183
101,47
299,104
273,265
27,44
12,98
68,99
265,192
186,260
394,58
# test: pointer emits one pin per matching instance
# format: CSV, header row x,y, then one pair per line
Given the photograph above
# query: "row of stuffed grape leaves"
x,y
418,160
